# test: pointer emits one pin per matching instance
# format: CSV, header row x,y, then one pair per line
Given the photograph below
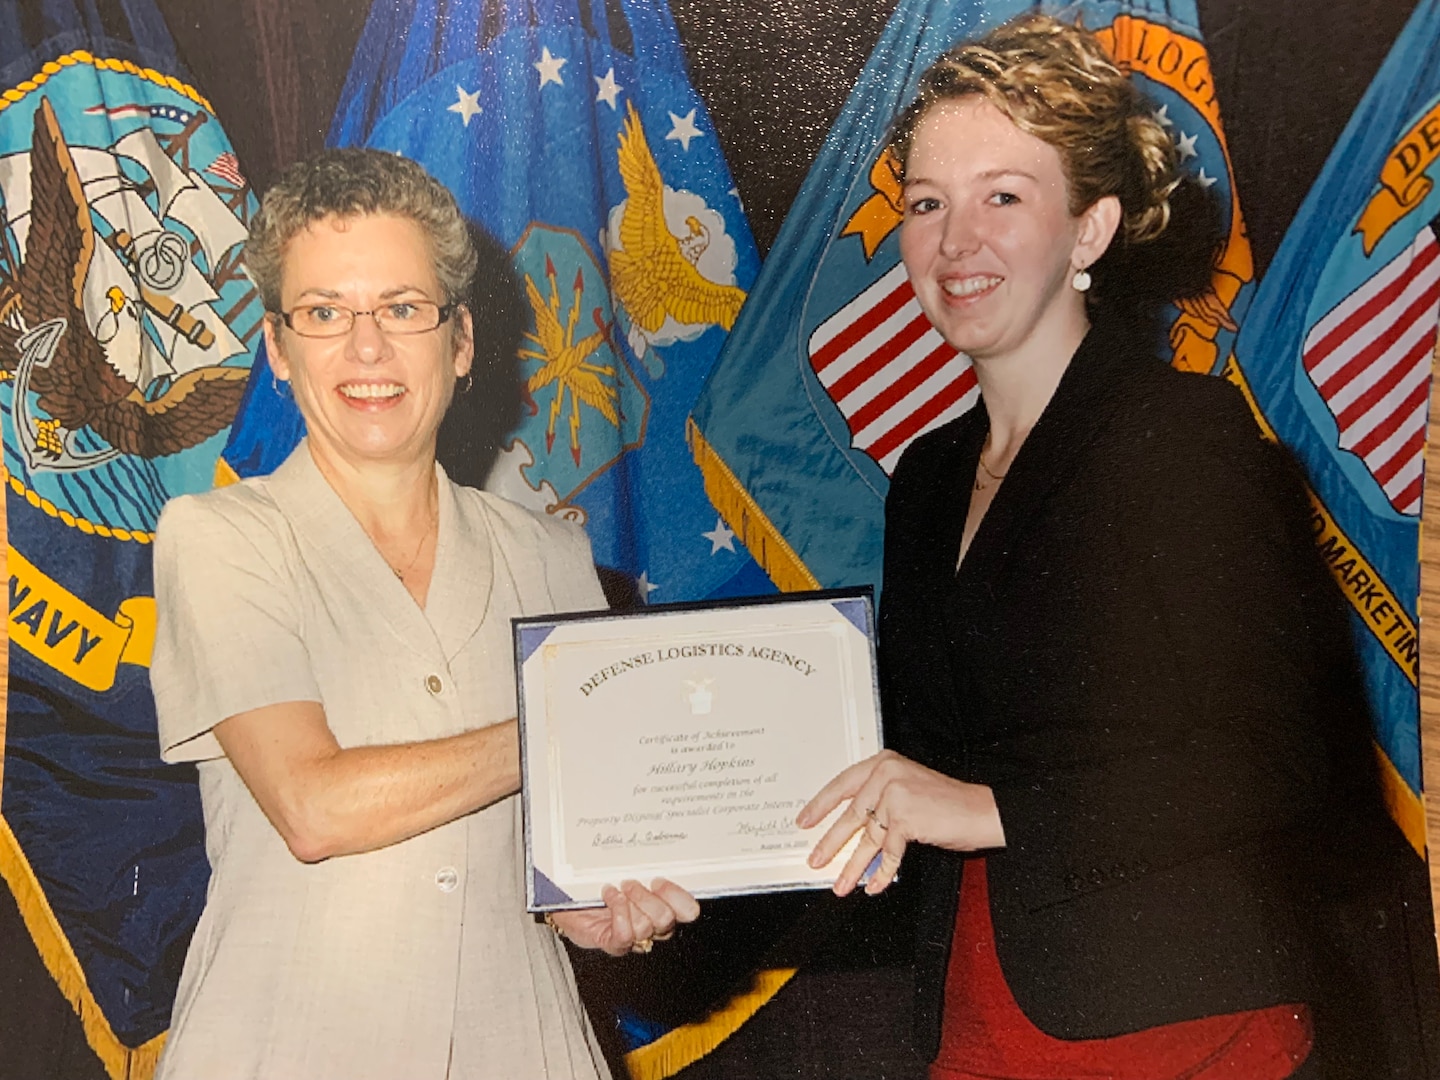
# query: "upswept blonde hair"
x,y
1055,81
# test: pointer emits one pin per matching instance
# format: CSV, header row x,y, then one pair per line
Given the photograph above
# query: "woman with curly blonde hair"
x,y
1120,695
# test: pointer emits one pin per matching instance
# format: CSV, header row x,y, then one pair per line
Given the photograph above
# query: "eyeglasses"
x,y
336,320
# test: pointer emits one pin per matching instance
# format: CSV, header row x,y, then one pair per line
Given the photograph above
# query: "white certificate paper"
x,y
681,742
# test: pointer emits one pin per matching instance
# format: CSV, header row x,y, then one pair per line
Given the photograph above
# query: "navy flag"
x,y
126,325
832,369
1336,356
569,131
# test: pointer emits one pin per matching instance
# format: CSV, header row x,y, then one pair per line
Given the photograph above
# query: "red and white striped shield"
x,y
891,375
1370,357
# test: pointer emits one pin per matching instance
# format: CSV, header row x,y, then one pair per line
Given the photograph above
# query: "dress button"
x,y
433,684
446,879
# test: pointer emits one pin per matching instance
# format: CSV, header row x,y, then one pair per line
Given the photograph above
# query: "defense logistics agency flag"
x,y
833,370
125,328
569,130
1337,352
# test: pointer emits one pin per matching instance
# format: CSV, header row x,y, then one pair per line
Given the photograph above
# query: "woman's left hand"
x,y
894,801
632,919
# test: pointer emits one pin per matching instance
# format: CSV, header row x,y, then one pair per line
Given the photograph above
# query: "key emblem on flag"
x,y
1370,356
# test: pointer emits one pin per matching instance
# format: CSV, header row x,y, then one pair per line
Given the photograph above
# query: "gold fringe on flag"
x,y
121,1062
756,531
688,1043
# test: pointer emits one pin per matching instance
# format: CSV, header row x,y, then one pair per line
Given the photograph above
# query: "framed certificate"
x,y
681,741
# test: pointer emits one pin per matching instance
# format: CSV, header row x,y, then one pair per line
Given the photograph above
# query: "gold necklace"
x,y
400,572
980,485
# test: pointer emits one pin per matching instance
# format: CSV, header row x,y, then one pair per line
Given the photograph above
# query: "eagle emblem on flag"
x,y
126,329
660,276
85,356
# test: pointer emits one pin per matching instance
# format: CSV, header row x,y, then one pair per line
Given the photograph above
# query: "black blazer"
x,y
1144,659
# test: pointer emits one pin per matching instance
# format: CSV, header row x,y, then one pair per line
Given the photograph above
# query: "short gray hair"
x,y
347,183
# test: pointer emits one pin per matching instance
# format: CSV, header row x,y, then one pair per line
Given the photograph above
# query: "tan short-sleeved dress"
x,y
416,961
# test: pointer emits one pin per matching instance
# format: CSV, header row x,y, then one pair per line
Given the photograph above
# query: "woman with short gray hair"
x,y
333,651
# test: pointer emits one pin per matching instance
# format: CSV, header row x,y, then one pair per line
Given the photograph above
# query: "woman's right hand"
x,y
895,801
633,917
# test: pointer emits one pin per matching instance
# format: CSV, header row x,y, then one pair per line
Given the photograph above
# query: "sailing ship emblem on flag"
x,y
113,337
1370,358
126,326
889,372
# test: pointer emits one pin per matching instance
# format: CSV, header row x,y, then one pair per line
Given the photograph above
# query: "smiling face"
x,y
988,239
367,396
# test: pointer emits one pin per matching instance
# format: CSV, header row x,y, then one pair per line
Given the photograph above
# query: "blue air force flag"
x,y
1337,353
571,133
832,369
126,323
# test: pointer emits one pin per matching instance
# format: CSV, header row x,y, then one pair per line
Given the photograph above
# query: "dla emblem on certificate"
x,y
681,742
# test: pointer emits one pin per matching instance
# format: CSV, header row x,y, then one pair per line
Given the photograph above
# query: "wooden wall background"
x,y
1430,638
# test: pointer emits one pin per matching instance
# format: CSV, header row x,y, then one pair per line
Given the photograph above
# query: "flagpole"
x,y
1430,640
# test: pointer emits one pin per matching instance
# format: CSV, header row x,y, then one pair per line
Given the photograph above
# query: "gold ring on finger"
x,y
870,813
644,945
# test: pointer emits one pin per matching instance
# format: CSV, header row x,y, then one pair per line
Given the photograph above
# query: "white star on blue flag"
x,y
684,129
720,537
549,67
467,104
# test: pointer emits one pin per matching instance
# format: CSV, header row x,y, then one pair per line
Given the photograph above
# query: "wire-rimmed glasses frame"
x,y
428,315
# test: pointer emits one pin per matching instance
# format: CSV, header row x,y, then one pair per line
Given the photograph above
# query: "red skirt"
x,y
985,1036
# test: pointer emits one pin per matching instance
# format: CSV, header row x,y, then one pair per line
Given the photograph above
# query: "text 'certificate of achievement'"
x,y
681,742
